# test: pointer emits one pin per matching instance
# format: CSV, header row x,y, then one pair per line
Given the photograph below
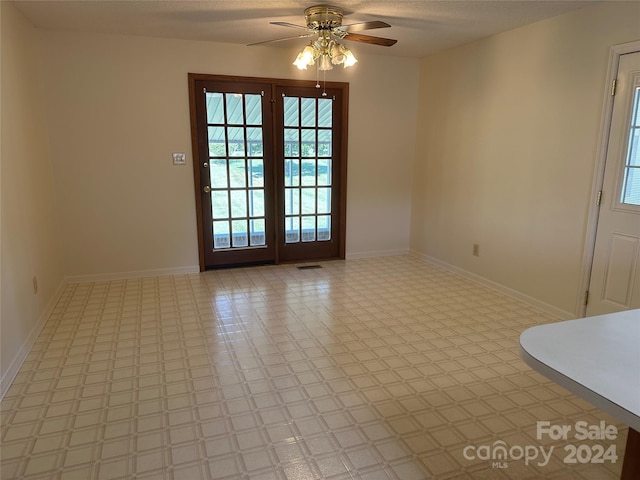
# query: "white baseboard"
x,y
377,253
14,368
105,277
556,312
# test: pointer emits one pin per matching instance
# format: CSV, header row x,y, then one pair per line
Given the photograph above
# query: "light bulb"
x,y
299,62
349,60
304,58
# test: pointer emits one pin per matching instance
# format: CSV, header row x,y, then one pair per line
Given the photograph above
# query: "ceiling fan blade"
x,y
280,39
384,42
287,24
358,27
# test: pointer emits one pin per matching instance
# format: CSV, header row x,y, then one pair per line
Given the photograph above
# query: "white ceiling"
x,y
421,27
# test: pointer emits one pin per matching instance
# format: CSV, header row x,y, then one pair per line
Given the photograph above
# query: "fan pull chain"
x,y
324,79
324,83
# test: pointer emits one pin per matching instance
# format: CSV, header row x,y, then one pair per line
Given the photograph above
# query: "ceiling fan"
x,y
325,23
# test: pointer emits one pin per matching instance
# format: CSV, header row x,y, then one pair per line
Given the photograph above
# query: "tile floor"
x,y
383,368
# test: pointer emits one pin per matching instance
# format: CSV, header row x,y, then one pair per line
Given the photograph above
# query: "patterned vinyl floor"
x,y
383,368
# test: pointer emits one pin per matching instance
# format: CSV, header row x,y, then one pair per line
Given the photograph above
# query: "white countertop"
x,y
597,358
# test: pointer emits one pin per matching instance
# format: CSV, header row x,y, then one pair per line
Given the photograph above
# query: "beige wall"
x,y
507,136
30,236
118,107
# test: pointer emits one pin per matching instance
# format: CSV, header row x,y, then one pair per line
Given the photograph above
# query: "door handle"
x,y
206,189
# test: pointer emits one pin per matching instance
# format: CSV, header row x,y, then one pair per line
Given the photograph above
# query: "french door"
x,y
269,169
308,142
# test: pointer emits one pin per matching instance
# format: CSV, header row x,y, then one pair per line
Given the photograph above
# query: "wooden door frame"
x,y
591,231
274,82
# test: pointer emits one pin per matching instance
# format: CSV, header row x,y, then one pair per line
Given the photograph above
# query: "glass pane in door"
x,y
307,169
236,168
631,179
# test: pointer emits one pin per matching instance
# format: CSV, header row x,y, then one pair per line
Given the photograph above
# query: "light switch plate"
x,y
179,159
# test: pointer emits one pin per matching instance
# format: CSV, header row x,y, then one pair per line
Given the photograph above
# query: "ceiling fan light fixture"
x,y
326,53
324,22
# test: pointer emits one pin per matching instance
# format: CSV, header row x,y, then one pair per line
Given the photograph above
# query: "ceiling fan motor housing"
x,y
323,17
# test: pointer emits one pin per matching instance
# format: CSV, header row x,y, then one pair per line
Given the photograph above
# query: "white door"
x,y
615,277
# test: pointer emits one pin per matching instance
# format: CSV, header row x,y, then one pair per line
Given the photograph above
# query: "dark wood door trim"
x,y
199,144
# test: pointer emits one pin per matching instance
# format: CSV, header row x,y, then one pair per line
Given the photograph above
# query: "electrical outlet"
x,y
35,285
476,250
